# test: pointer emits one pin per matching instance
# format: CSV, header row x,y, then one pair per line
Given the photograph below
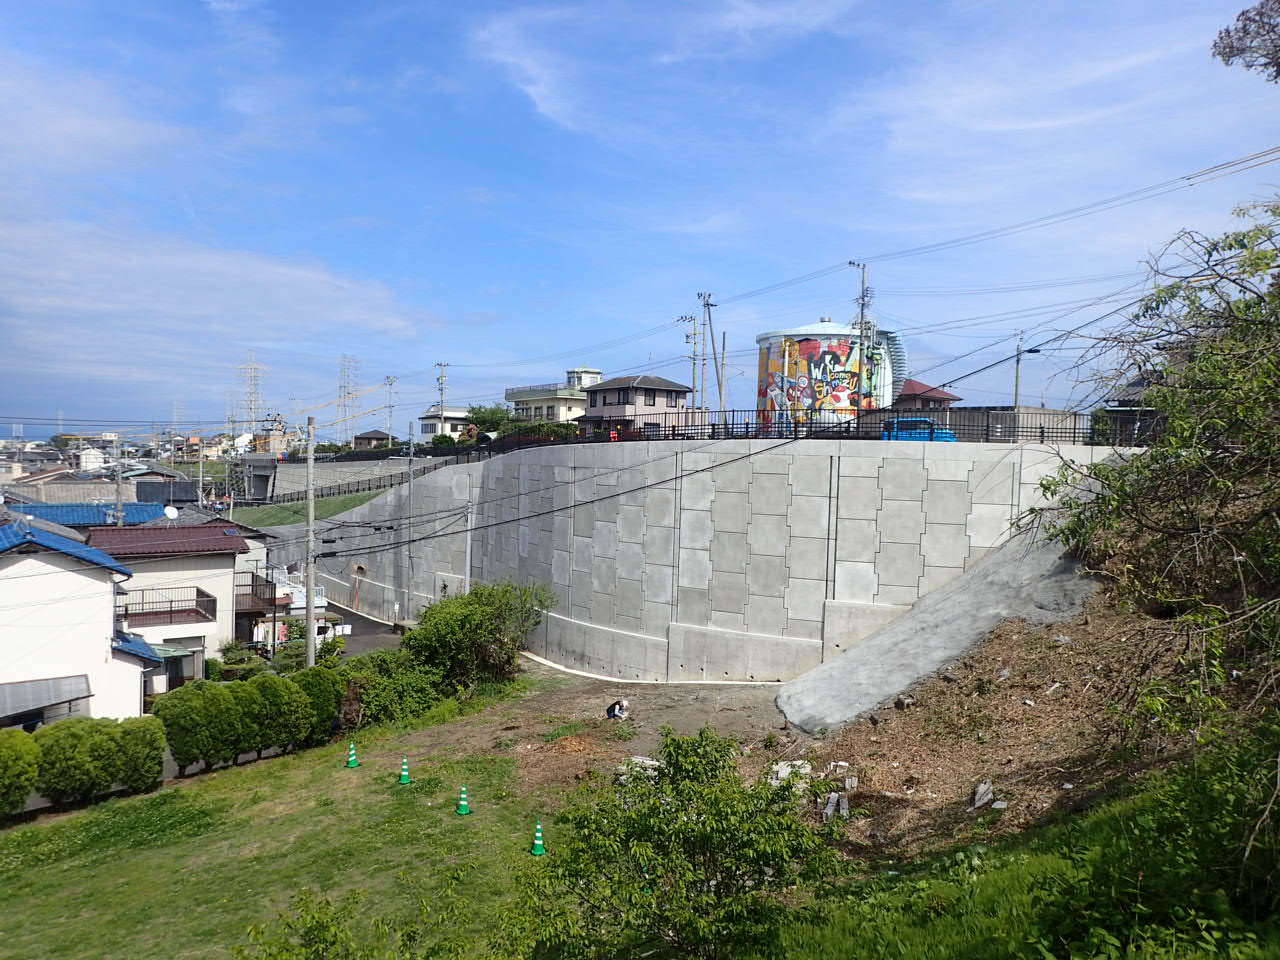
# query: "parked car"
x,y
915,428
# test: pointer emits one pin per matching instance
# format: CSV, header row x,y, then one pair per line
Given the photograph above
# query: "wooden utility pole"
x,y
311,542
717,357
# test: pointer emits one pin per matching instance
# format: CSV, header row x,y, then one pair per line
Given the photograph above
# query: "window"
x,y
429,428
537,413
551,413
455,427
624,396
671,398
651,398
594,395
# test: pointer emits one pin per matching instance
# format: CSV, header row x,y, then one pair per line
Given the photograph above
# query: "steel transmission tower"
x,y
251,372
348,366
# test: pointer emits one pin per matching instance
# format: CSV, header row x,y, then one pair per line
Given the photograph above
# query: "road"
x,y
366,634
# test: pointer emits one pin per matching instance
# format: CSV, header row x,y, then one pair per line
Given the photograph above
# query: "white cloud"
x,y
736,27
544,76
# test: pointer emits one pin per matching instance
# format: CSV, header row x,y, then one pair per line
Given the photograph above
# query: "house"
x,y
554,402
370,439
183,589
920,396
60,654
643,402
81,515
455,421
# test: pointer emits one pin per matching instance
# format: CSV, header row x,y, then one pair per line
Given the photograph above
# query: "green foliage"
x,y
79,759
693,862
254,721
288,714
19,767
182,711
141,752
476,637
390,685
292,656
225,733
489,418
442,440
238,663
324,689
564,730
540,428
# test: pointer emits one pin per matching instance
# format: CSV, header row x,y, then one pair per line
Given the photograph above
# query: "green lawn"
x,y
285,513
182,872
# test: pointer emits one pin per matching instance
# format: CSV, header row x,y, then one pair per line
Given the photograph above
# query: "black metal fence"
x,y
167,605
382,482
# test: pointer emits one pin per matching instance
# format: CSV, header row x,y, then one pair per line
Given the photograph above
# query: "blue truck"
x,y
915,428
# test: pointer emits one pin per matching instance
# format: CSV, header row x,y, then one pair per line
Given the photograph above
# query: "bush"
x,y
79,759
226,729
253,718
292,656
324,689
183,713
477,637
141,752
288,710
402,696
19,768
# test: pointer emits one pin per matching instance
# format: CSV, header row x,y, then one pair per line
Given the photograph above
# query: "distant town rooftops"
x,y
168,541
90,514
373,435
914,388
14,535
192,516
641,381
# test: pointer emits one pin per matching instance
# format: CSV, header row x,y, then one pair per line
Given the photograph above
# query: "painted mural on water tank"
x,y
816,373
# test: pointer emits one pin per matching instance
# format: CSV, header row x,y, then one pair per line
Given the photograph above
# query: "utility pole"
x,y
717,358
466,574
408,527
691,338
311,542
200,482
441,380
389,382
1017,371
119,495
863,336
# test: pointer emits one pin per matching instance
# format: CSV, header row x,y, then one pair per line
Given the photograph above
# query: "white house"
x,y
60,654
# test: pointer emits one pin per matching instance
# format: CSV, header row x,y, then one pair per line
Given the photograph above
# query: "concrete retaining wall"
x,y
732,560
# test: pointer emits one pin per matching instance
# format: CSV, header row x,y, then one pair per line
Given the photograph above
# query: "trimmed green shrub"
x,y
79,758
19,768
254,724
477,636
324,689
141,752
288,713
226,724
184,715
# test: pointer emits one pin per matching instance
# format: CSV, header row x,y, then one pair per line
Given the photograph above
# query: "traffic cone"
x,y
351,755
404,771
537,849
462,809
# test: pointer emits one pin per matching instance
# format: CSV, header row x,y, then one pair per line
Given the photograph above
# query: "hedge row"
x,y
77,759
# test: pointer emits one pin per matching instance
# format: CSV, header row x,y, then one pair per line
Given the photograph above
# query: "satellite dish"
x,y
171,512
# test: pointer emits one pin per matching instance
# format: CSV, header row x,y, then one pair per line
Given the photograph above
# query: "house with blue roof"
x,y
79,515
61,654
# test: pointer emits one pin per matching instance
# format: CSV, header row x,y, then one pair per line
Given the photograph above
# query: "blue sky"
x,y
185,180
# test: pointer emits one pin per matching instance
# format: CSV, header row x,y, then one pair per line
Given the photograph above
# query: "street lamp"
x,y
1017,371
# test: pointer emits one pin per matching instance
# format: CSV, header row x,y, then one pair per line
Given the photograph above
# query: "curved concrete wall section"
x,y
770,559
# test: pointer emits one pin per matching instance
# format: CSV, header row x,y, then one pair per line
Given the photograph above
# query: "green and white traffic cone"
x,y
462,809
404,771
351,755
537,849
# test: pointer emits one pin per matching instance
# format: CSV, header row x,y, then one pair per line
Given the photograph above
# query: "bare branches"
x,y
1253,41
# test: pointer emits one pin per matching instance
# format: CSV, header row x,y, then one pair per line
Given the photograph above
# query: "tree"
x,y
442,440
141,752
324,690
1253,40
692,862
254,722
183,713
288,713
79,759
491,417
19,767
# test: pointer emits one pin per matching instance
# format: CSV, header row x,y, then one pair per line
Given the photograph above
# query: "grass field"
x,y
182,872
285,513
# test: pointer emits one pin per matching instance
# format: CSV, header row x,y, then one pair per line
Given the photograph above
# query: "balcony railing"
x,y
256,592
166,605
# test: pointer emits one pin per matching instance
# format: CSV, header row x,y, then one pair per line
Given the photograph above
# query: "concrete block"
x,y
732,477
770,463
522,540
628,600
659,544
562,474
562,497
896,595
629,624
630,524
937,466
580,584
858,498
807,558
660,507
766,615
993,482
1030,495
729,552
804,598
696,492
584,522
857,540
809,516
988,524
976,554
728,592
846,623
945,544
900,521
804,629
899,564
946,501
902,479
730,512
770,494
695,568
604,539
630,561
561,530
462,487
811,476
860,466
855,581
604,575
602,608
708,653
654,619
657,582
728,621
935,577
767,535
695,529
560,560
692,606
582,554
766,575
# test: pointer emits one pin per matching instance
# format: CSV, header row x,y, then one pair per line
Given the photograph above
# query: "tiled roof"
x,y
914,388
12,536
193,516
89,514
167,541
373,435
641,382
